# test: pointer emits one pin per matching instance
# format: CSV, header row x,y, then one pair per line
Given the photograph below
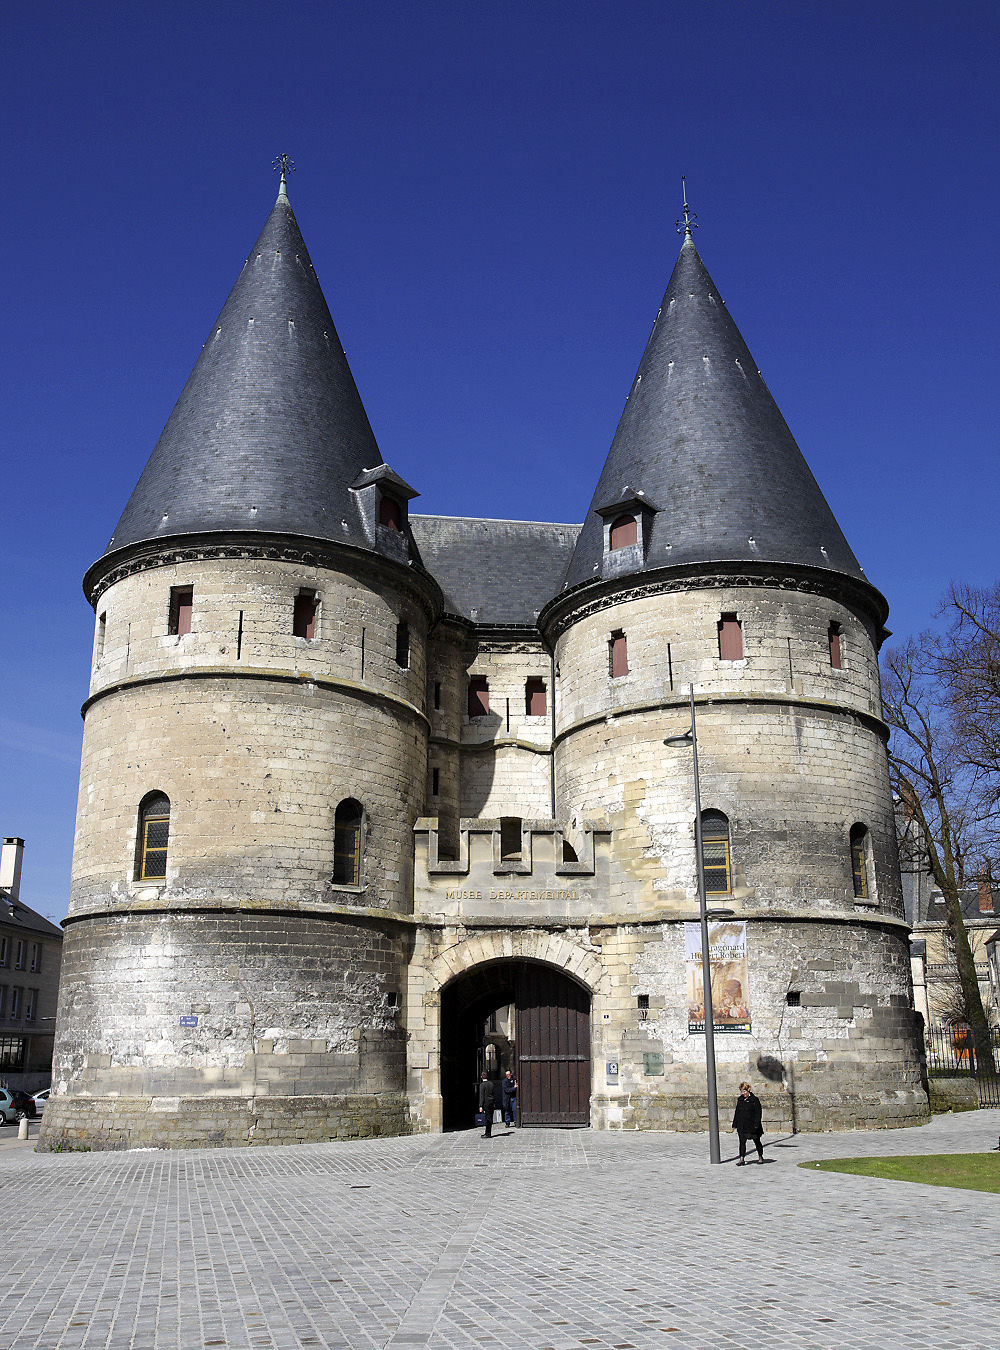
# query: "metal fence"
x,y
951,1053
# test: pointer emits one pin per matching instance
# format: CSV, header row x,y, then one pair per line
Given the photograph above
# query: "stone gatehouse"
x,y
372,800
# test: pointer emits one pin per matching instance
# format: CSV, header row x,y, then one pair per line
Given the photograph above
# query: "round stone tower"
x,y
254,756
710,560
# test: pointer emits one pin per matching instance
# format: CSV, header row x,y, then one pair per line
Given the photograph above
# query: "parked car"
x,y
14,1105
40,1098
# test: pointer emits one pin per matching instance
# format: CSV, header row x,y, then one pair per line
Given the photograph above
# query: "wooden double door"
x,y
525,1016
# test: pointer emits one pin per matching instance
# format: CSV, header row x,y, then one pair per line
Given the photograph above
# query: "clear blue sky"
x,y
488,192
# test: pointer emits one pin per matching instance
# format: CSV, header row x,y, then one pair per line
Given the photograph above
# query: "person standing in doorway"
x,y
747,1123
508,1087
487,1103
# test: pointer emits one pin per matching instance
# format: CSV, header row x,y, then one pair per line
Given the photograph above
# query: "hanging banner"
x,y
727,955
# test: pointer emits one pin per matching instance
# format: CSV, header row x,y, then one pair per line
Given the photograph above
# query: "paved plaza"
x,y
552,1240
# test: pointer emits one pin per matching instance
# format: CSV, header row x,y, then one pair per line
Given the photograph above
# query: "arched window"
x,y
623,532
859,861
715,853
390,514
152,837
347,843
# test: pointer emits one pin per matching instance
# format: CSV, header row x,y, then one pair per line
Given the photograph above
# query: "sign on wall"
x,y
727,955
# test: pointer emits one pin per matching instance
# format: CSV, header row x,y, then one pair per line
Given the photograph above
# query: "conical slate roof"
x,y
702,440
269,431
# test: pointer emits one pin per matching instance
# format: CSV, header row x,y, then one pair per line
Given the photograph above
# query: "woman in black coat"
x,y
747,1123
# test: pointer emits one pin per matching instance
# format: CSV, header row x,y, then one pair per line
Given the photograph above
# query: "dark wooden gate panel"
x,y
553,1048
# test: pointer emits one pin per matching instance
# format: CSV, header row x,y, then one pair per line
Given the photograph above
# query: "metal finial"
x,y
690,217
286,166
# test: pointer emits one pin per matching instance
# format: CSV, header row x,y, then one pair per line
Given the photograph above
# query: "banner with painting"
x,y
727,955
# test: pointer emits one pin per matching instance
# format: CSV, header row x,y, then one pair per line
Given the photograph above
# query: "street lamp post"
x,y
691,738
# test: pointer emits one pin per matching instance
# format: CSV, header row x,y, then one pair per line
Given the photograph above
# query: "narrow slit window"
x,y
31,1005
833,640
437,694
304,614
730,638
102,631
617,655
715,857
153,837
859,861
510,838
4,951
15,1003
534,698
390,514
403,644
19,955
347,824
36,956
181,605
435,782
624,532
479,696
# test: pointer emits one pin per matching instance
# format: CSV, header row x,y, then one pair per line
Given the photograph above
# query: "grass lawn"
x,y
970,1171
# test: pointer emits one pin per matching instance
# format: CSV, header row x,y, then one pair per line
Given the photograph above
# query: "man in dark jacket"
x,y
747,1123
487,1103
508,1089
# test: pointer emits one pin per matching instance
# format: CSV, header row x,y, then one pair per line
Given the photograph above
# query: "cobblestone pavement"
x,y
548,1240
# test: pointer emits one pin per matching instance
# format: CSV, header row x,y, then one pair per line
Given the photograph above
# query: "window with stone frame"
x,y
31,1005
833,636
19,954
4,951
403,644
36,956
181,609
730,638
348,827
479,696
304,614
715,856
617,655
152,837
534,698
859,861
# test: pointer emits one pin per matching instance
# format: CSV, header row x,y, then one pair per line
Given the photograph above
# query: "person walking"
x,y
508,1087
747,1123
487,1103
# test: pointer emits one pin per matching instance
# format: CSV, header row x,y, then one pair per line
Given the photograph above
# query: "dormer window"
x,y
624,532
390,514
628,526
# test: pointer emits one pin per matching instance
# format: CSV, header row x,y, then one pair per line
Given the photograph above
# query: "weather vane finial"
x,y
690,217
286,166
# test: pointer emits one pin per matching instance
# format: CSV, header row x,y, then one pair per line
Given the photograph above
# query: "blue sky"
x,y
488,192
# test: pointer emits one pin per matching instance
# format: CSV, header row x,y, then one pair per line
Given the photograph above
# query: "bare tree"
x,y
968,660
946,799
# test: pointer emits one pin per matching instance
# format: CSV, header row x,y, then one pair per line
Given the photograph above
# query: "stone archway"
x,y
457,958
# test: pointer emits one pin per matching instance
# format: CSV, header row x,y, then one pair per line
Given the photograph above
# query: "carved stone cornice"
x,y
591,597
361,565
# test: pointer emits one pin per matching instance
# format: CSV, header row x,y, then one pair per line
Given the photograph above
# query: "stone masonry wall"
x,y
792,774
241,1006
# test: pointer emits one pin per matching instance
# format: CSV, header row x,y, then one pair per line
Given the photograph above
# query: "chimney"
x,y
10,867
984,888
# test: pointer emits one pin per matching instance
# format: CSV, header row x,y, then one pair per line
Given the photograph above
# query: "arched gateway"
x,y
522,1015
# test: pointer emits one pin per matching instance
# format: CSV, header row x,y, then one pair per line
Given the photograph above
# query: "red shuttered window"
x,y
617,655
833,637
479,696
730,638
534,698
623,532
